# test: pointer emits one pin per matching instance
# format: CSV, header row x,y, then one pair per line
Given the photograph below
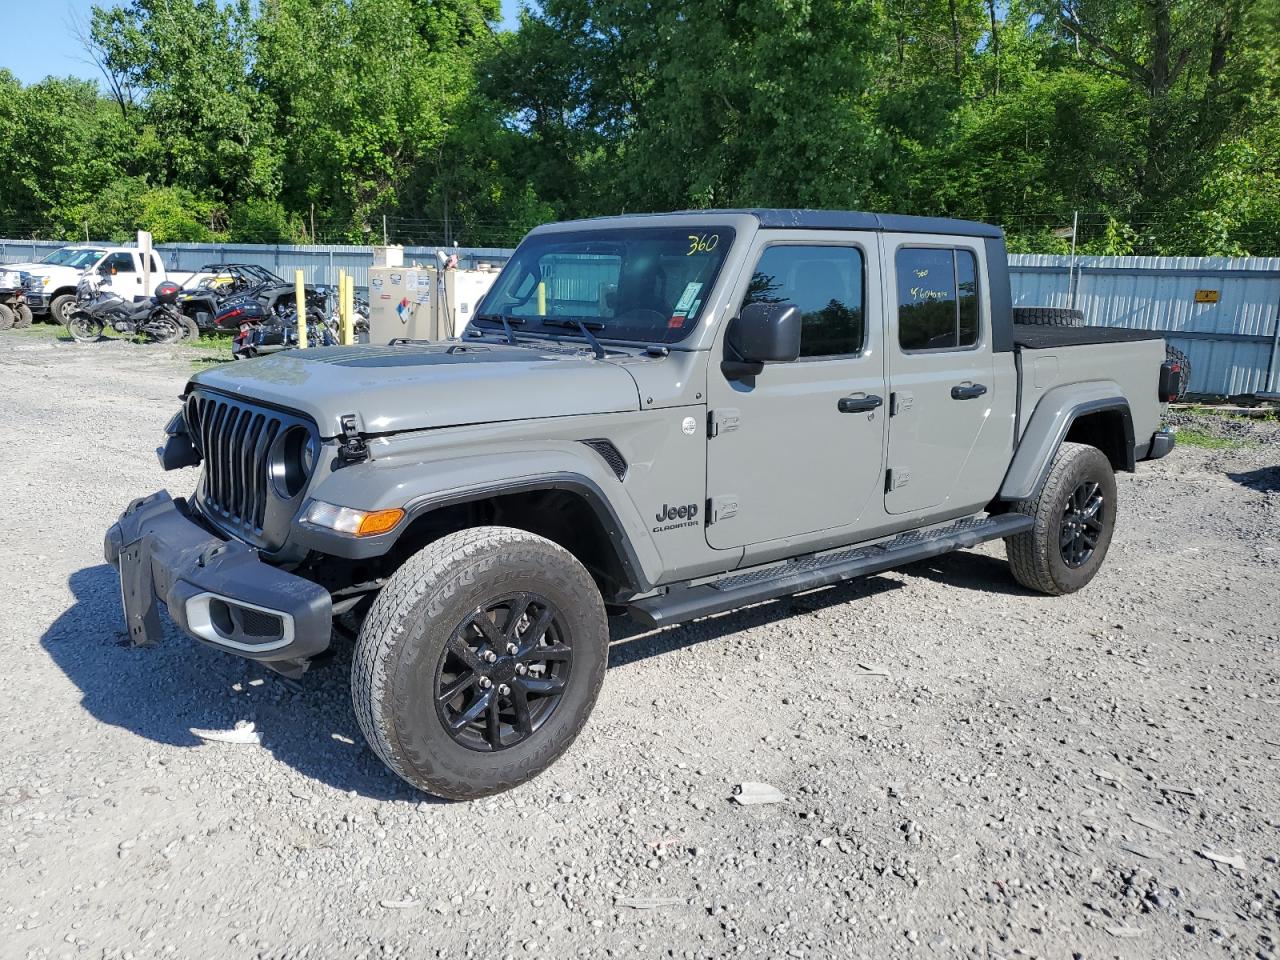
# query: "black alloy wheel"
x,y
503,672
1083,520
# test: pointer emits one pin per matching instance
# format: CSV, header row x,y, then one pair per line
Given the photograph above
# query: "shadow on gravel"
x,y
972,571
632,643
160,692
1264,479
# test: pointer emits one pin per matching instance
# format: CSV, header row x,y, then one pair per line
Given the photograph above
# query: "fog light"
x,y
356,523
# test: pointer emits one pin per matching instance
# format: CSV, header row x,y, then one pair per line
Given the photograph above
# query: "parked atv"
x,y
14,311
157,319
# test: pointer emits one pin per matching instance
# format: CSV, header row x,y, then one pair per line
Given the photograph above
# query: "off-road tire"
x,y
1048,316
1173,353
1035,557
403,638
60,307
22,316
7,316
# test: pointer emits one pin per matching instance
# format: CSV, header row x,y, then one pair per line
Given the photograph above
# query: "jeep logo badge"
x,y
674,518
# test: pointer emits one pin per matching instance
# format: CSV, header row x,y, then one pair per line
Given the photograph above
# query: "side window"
x,y
937,298
119,263
826,283
156,266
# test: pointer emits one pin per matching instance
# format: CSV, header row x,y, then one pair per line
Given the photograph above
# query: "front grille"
x,y
238,443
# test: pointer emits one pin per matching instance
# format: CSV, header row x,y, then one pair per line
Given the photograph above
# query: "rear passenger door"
x,y
942,442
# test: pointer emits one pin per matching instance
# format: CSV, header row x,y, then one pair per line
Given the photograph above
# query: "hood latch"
x,y
352,449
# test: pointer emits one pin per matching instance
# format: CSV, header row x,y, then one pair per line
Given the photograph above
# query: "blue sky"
x,y
42,41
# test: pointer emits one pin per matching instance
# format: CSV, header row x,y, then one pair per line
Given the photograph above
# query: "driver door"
x,y
797,450
121,274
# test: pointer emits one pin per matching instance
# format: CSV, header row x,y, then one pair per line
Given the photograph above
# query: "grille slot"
x,y
235,440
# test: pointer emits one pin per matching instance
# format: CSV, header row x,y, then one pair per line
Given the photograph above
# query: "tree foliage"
x,y
287,120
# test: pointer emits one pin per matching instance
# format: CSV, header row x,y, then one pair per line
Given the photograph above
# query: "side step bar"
x,y
820,570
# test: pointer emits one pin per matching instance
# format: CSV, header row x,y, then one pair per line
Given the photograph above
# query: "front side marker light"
x,y
356,523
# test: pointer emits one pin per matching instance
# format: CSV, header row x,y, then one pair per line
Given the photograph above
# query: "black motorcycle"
x,y
158,318
260,330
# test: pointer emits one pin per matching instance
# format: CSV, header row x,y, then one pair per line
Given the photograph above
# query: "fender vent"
x,y
616,461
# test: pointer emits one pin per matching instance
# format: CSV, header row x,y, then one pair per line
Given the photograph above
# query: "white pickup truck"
x,y
51,289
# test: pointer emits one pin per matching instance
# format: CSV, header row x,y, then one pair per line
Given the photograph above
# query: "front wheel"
x,y
60,307
22,316
7,316
84,328
1075,516
479,662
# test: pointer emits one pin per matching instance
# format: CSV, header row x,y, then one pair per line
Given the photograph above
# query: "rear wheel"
x,y
7,316
165,329
479,662
190,329
1075,515
22,316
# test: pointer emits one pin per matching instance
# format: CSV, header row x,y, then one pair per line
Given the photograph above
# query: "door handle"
x,y
967,391
858,404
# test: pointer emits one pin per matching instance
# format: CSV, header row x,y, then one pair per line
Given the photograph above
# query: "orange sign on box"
x,y
1206,296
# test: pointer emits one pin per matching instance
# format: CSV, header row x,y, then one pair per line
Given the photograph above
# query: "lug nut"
x,y
503,689
512,649
521,669
490,657
485,683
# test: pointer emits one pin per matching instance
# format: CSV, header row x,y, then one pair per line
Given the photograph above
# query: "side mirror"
x,y
762,333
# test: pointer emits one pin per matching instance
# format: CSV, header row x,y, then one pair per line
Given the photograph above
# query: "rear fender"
x,y
1049,425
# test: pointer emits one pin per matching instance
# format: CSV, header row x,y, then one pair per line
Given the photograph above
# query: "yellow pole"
x,y
348,311
301,290
342,316
542,298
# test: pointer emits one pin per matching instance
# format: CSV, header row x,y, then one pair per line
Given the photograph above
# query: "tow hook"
x,y
353,449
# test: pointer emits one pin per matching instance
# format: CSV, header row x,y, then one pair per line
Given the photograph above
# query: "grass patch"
x,y
1208,441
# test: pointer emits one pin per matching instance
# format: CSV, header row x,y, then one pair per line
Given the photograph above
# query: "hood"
x,y
419,386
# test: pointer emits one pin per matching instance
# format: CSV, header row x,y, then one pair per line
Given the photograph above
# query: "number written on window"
x,y
937,298
702,243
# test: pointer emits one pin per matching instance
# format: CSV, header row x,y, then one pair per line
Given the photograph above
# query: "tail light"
x,y
1171,374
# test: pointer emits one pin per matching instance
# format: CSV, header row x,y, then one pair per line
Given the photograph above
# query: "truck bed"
x,y
1044,337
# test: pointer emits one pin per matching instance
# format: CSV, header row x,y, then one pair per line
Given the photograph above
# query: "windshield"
x,y
646,284
74,257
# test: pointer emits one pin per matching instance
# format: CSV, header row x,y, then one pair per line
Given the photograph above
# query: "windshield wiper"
x,y
583,325
505,320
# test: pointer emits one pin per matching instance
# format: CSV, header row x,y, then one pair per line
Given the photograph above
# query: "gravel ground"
x,y
967,769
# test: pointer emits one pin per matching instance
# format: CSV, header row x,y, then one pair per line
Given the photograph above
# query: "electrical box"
x,y
392,256
403,303
462,293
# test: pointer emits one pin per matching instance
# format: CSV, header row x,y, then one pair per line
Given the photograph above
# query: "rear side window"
x,y
937,298
826,284
119,263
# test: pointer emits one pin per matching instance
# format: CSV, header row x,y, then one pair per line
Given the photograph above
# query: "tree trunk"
x,y
995,43
957,63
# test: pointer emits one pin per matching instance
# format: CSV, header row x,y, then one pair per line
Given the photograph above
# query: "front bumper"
x,y
37,301
217,590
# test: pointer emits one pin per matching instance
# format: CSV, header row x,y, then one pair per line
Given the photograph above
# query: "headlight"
x,y
356,523
291,460
44,281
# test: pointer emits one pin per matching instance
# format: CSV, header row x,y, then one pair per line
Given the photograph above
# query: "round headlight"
x,y
290,464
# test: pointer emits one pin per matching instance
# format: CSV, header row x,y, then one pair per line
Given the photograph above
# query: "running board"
x,y
820,570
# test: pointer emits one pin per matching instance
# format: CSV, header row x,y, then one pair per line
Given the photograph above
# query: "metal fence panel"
x,y
1232,341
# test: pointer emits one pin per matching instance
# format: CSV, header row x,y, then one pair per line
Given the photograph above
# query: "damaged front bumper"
x,y
218,591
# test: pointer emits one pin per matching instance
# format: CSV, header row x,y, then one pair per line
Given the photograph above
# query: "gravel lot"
x,y
968,769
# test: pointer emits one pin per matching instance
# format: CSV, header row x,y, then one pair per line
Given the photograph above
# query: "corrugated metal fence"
x,y
1223,312
320,264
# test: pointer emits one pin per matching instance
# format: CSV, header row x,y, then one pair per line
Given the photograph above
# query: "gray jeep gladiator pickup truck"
x,y
667,416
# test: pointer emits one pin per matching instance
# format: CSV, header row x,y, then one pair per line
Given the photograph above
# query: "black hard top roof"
x,y
785,219
856,220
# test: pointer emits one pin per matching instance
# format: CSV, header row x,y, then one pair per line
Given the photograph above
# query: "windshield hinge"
x,y
352,449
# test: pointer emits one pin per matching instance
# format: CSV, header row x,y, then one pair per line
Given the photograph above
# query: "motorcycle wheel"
x,y
7,316
164,330
84,328
190,329
23,316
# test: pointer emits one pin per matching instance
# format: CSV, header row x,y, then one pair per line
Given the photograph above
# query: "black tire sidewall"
x,y
1091,465
424,745
59,306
